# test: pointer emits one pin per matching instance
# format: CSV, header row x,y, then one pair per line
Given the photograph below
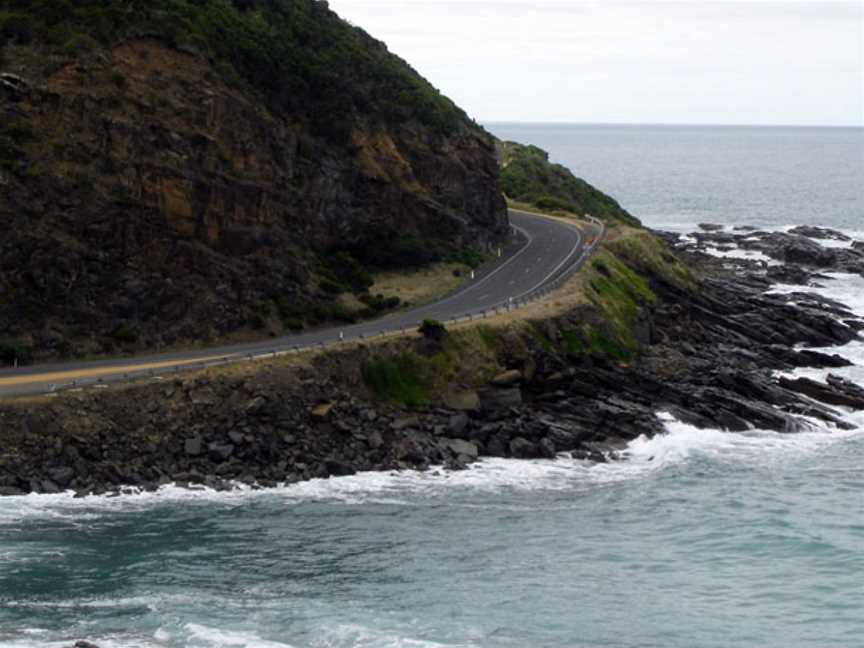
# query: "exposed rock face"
x,y
146,201
709,361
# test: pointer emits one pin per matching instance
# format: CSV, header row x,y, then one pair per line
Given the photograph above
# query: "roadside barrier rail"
x,y
511,304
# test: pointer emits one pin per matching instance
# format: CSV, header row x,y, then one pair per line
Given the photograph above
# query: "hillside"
x,y
179,172
527,176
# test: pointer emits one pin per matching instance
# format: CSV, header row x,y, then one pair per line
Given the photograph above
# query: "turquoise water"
x,y
699,539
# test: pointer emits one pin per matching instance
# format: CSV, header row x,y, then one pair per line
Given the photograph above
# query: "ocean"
x,y
698,539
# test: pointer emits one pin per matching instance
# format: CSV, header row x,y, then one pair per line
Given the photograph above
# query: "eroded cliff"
x,y
159,187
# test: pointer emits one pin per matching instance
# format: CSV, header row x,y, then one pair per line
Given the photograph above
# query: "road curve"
x,y
547,249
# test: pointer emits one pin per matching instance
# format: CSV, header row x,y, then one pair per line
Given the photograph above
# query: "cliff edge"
x,y
232,163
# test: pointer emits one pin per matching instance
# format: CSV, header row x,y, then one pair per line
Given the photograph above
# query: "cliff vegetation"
x,y
527,176
178,172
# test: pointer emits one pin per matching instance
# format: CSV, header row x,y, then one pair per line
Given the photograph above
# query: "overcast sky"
x,y
721,62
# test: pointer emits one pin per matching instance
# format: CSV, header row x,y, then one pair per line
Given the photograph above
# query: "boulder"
x,y
375,440
806,252
813,232
404,423
837,392
193,447
339,468
460,447
219,452
457,424
507,379
521,448
466,401
546,448
321,412
495,399
61,476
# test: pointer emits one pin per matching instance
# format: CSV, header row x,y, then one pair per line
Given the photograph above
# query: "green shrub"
x,y
432,330
528,176
405,379
12,350
126,333
292,52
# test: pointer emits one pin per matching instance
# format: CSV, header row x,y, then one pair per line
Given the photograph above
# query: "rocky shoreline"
x,y
708,358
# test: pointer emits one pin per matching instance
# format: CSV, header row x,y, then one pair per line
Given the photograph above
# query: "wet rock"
x,y
62,476
49,487
457,424
546,448
339,468
461,447
220,452
375,440
819,233
523,449
804,251
85,644
836,392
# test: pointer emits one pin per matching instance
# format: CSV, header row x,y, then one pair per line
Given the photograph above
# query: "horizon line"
x,y
693,124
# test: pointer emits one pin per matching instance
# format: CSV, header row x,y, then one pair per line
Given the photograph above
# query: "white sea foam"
x,y
200,636
741,253
358,636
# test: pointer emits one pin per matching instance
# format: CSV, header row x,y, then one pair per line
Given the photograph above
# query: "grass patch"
x,y
413,380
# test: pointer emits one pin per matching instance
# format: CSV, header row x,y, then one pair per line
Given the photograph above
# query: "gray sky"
x,y
721,62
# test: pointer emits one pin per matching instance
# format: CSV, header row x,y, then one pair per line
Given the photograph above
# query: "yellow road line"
x,y
65,376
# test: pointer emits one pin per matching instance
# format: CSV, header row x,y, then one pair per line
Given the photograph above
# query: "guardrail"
x,y
549,285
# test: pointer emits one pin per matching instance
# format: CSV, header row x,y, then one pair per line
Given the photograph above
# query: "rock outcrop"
x,y
159,189
708,355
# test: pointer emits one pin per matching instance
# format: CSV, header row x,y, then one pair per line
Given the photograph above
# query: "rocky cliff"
x,y
178,172
645,335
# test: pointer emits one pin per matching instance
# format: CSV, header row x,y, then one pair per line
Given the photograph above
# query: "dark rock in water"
x,y
523,449
495,447
804,251
61,476
49,487
819,233
836,392
339,468
789,274
858,246
807,357
711,227
546,448
460,447
85,644
10,491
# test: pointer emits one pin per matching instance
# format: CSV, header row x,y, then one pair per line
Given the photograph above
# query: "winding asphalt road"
x,y
543,249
